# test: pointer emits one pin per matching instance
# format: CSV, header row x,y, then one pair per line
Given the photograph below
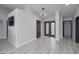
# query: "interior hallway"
x,y
46,45
5,46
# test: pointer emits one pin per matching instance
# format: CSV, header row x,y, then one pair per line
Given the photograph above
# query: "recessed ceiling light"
x,y
67,4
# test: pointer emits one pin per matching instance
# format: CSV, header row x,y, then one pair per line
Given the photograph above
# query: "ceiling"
x,y
67,11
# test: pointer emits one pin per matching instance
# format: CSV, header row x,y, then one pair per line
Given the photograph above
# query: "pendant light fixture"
x,y
43,12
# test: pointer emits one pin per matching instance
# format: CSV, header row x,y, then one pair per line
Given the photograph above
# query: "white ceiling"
x,y
67,11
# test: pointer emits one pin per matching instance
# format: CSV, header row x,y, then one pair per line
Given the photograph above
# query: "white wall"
x,y
5,28
3,12
52,18
61,25
12,29
3,16
57,25
76,14
26,27
42,28
67,19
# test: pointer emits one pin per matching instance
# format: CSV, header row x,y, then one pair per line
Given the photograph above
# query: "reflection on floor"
x,y
43,46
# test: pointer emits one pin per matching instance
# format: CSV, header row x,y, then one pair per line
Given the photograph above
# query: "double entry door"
x,y
49,28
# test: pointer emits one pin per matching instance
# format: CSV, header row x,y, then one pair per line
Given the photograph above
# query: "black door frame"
x,y
45,28
76,29
50,22
7,29
71,26
38,35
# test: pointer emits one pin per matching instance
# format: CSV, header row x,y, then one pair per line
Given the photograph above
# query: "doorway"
x,y
1,29
7,29
49,28
67,29
77,29
38,29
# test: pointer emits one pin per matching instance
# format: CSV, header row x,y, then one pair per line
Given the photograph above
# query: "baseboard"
x,y
2,38
11,43
24,43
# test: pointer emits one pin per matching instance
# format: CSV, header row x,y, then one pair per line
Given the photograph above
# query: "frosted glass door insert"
x,y
47,28
52,28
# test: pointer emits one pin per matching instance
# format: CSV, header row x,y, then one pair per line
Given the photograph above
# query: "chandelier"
x,y
43,13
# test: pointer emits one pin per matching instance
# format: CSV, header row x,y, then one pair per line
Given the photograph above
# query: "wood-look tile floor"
x,y
42,46
5,46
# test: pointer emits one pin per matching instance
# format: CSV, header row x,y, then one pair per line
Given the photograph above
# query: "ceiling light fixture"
x,y
42,8
43,12
67,4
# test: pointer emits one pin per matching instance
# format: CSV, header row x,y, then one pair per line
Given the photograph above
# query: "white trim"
x,y
2,38
24,43
11,43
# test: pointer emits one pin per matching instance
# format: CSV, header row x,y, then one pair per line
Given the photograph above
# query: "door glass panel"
x,y
52,29
47,28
